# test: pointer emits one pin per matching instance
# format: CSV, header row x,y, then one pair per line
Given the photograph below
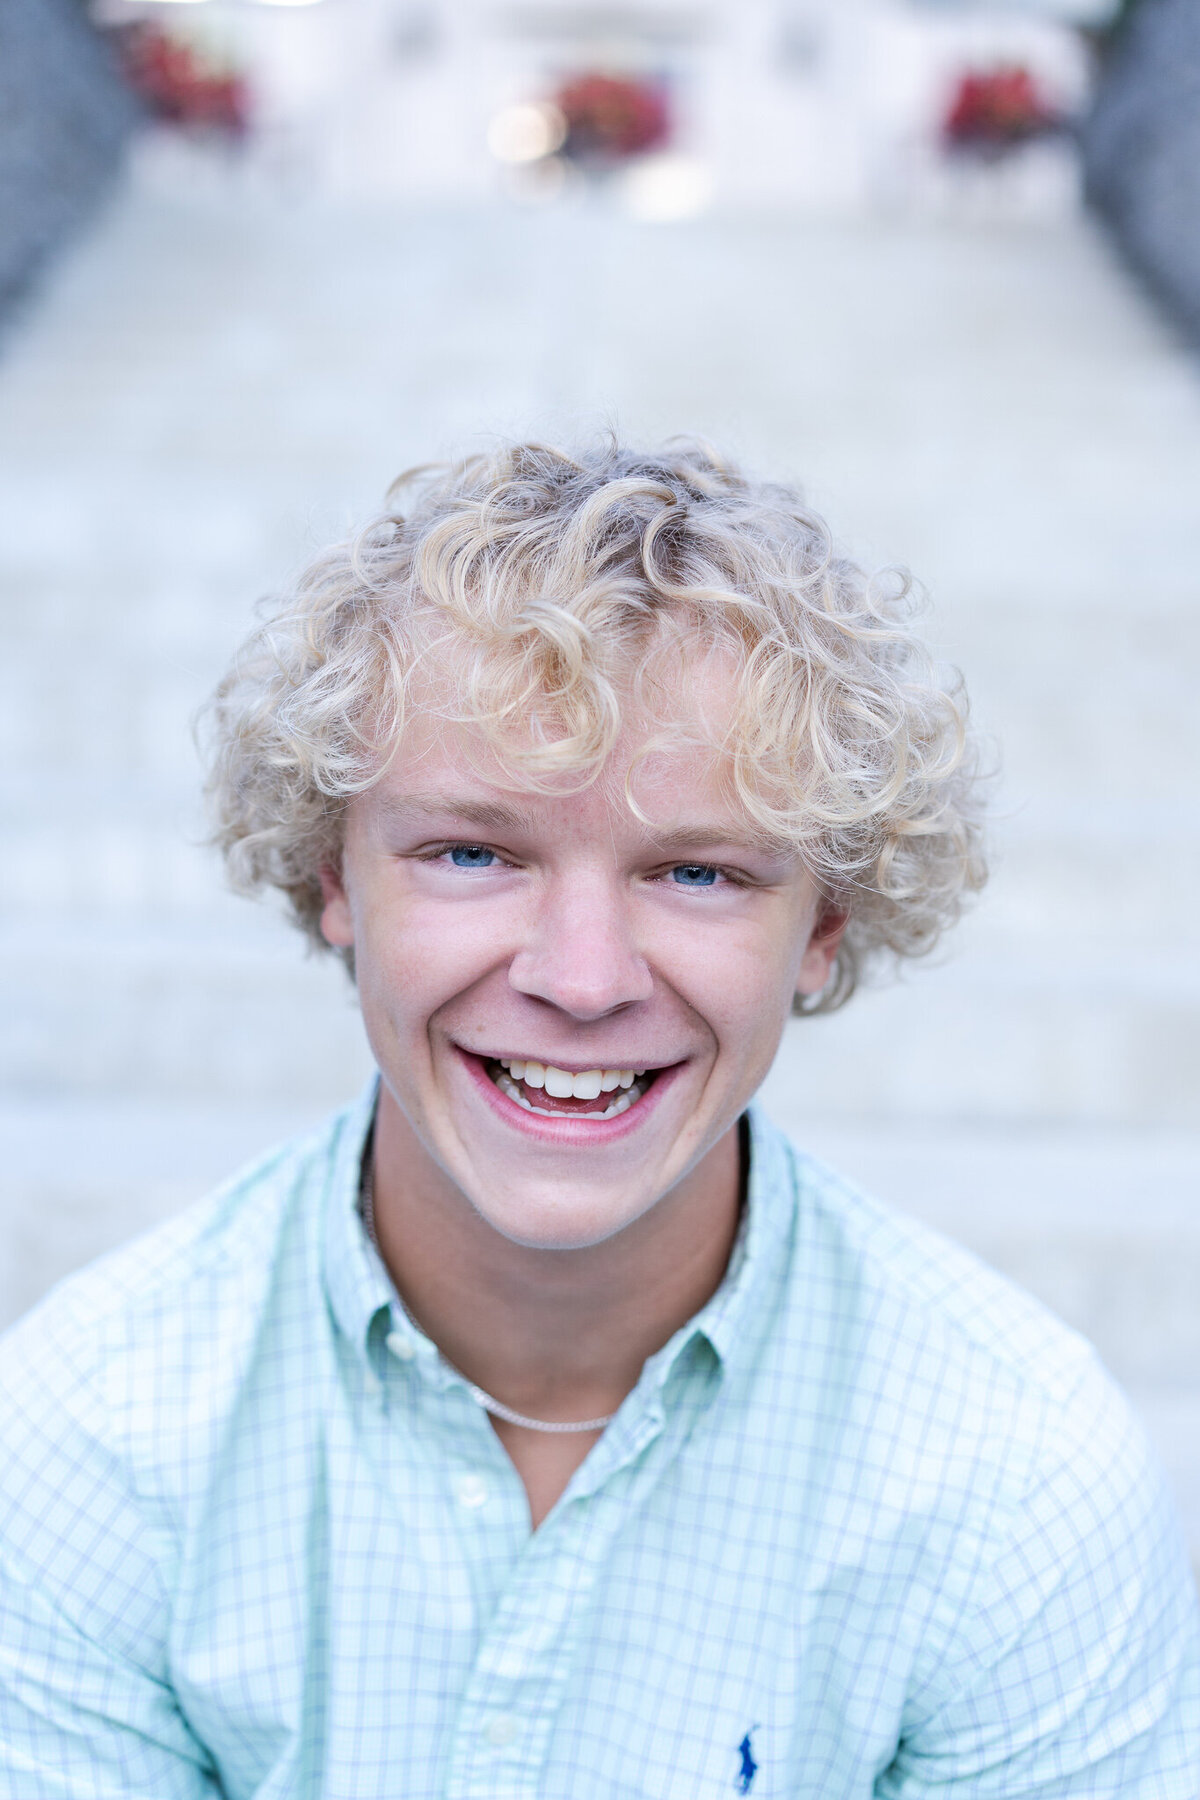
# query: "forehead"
x,y
669,758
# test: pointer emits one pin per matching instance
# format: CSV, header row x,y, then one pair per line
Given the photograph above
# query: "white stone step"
x,y
1046,1042
182,1015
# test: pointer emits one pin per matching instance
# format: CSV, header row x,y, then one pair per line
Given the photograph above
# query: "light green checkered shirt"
x,y
871,1524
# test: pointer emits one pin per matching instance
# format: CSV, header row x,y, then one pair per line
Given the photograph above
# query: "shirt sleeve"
x,y
86,1707
1075,1672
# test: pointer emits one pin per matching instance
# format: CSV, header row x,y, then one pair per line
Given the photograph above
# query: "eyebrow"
x,y
703,833
489,815
497,815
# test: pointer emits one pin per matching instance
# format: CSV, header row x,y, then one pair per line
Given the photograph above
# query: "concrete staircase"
x,y
217,380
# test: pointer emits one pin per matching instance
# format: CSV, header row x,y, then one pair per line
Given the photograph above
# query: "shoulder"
x,y
221,1250
950,1384
896,1277
983,1447
116,1383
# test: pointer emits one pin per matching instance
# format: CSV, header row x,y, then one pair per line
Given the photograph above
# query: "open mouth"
x,y
558,1093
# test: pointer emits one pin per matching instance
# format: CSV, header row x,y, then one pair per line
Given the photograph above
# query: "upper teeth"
x,y
560,1084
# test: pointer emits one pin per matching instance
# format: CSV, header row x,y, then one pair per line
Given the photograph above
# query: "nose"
x,y
580,954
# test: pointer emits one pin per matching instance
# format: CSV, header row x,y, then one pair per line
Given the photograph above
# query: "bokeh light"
x,y
523,133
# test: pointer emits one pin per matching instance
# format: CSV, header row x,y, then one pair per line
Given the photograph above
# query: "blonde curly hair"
x,y
538,581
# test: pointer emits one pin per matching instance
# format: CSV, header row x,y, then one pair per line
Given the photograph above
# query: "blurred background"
x,y
940,263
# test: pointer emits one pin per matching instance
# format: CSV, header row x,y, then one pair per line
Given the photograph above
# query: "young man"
x,y
547,1426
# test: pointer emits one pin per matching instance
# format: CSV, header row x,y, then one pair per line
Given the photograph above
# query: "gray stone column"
x,y
1142,149
64,114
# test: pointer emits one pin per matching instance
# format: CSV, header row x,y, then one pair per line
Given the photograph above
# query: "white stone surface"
x,y
217,380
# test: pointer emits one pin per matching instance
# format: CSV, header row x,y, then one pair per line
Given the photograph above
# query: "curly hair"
x,y
539,581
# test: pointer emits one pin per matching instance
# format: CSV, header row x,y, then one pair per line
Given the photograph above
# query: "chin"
x,y
549,1225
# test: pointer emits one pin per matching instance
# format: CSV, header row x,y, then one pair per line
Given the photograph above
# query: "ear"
x,y
337,920
816,965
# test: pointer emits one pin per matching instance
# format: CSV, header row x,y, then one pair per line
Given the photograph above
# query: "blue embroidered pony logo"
x,y
749,1767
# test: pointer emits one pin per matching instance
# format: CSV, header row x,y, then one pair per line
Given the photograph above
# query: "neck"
x,y
556,1334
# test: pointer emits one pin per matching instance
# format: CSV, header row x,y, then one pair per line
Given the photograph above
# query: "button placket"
x,y
526,1654
524,1661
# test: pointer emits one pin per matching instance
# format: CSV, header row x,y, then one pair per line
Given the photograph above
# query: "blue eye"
x,y
472,856
694,874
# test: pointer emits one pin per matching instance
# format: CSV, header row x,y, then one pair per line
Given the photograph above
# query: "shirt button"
x,y
500,1731
401,1347
472,1491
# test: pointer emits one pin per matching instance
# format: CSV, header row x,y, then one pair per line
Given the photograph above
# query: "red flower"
x,y
177,85
609,117
996,107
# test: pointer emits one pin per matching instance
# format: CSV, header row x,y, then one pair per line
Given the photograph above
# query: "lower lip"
x,y
566,1131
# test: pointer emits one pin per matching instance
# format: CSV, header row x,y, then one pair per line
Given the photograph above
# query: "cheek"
x,y
420,954
740,982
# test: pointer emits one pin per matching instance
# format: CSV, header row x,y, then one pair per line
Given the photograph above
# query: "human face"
x,y
505,940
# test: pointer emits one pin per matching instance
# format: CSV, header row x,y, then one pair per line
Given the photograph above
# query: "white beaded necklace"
x,y
496,1407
